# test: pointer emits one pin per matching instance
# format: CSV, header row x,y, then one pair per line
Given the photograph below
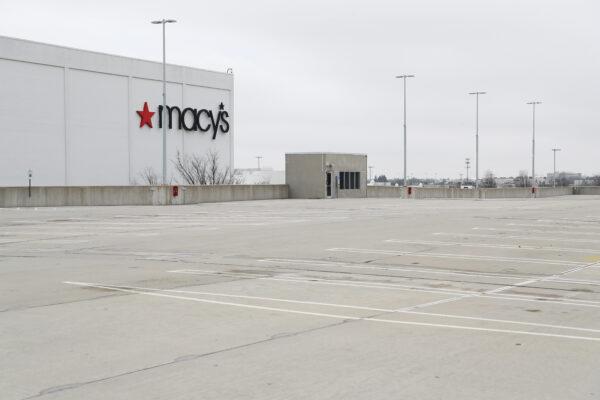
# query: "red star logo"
x,y
145,116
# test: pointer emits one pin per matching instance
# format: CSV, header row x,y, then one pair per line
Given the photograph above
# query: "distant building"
x,y
326,175
564,178
505,182
264,176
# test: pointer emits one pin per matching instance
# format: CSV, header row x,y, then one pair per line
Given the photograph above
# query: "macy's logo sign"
x,y
188,119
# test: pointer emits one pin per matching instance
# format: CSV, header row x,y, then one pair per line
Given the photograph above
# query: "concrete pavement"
x,y
303,299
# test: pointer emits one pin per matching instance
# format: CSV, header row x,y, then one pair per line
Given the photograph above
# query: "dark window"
x,y
349,180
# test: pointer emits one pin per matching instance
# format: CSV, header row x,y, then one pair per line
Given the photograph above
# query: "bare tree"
x,y
193,169
489,181
149,177
521,180
197,170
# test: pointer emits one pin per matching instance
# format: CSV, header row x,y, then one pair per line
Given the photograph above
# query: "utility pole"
x,y
554,175
164,22
468,164
403,77
258,158
533,104
477,137
29,176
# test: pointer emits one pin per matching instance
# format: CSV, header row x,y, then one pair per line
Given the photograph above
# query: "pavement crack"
x,y
180,359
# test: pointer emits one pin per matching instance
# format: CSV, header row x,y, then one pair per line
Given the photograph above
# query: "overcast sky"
x,y
319,75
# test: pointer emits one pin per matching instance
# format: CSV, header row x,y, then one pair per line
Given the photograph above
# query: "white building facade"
x,y
81,118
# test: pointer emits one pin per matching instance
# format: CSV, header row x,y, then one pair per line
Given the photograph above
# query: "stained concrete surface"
x,y
303,299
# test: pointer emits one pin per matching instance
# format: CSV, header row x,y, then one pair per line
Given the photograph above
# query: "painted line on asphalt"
x,y
299,262
334,282
520,237
456,256
588,303
355,307
561,232
589,228
336,316
492,246
375,285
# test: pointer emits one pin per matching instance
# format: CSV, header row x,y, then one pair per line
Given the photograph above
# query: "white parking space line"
x,y
492,246
588,303
301,262
457,295
126,289
334,282
589,228
456,256
520,237
561,232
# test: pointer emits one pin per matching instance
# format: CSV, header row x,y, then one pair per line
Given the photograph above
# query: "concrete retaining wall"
x,y
385,191
588,190
454,193
56,196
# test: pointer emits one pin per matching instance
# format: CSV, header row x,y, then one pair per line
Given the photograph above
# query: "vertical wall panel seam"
x,y
232,128
66,121
183,84
129,110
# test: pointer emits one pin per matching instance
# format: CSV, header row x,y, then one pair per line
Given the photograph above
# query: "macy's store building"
x,y
77,117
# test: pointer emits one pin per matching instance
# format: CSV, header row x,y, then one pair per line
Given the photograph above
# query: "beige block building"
x,y
326,175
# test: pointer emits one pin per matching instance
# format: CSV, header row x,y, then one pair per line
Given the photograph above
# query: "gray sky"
x,y
319,75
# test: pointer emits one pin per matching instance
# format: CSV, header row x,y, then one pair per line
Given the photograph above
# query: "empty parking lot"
x,y
303,299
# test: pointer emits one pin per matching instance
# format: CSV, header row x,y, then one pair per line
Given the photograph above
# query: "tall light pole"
x,y
468,165
164,22
554,176
403,77
258,158
477,137
370,172
533,104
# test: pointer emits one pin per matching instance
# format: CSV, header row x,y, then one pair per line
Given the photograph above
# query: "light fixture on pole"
x,y
164,22
533,104
403,77
554,175
258,158
477,136
29,176
468,165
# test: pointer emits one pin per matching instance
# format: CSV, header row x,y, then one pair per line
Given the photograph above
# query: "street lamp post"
x,y
29,176
468,165
533,104
163,22
477,137
554,175
258,158
403,77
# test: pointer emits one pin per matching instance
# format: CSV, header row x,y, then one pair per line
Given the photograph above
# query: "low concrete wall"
x,y
56,196
385,191
454,193
587,190
559,191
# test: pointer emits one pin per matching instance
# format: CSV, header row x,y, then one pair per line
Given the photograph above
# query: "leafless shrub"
x,y
489,181
148,176
197,170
